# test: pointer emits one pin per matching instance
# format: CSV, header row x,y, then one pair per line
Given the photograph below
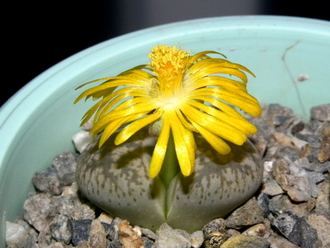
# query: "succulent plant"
x,y
180,154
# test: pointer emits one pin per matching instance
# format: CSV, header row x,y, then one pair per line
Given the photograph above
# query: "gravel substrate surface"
x,y
291,208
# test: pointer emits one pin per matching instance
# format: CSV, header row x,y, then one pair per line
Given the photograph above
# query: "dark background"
x,y
37,35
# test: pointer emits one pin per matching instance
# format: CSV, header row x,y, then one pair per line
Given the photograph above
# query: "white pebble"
x,y
268,166
16,234
81,140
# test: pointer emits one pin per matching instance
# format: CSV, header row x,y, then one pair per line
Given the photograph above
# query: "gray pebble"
x,y
66,164
321,112
61,229
147,243
249,214
298,183
284,222
168,237
40,209
303,234
47,181
80,231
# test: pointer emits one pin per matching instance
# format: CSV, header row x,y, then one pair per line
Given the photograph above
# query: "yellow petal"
x,y
160,150
139,106
182,138
225,83
135,126
239,123
217,143
215,126
110,129
220,105
243,101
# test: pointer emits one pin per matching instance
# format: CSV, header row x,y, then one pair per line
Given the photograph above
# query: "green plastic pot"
x,y
37,123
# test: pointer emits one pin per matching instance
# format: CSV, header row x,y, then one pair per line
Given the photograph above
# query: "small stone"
x,y
70,190
249,214
277,241
303,234
57,245
281,122
105,218
321,223
260,142
242,241
168,237
301,144
61,229
88,125
290,153
259,230
147,243
128,237
97,235
215,233
323,200
275,110
282,139
15,234
324,153
216,239
263,201
44,239
284,222
81,140
72,206
296,181
80,231
296,128
39,210
66,164
321,112
311,139
283,203
272,188
47,181
114,229
115,244
214,225
196,239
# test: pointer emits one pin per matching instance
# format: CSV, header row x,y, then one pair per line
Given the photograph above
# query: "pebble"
x,y
321,112
16,234
242,241
303,234
290,210
80,231
60,229
66,164
247,215
47,181
81,140
169,237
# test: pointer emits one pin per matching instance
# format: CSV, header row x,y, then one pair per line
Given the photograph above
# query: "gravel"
x,y
291,208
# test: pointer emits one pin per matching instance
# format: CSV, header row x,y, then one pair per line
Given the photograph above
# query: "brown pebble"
x,y
324,153
128,237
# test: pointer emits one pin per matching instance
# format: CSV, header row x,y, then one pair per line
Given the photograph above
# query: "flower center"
x,y
168,64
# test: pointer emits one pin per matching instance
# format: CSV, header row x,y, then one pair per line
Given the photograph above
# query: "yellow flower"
x,y
172,90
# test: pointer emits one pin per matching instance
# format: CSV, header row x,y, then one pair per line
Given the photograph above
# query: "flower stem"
x,y
170,167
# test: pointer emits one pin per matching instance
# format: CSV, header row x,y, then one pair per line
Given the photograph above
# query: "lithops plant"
x,y
186,158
